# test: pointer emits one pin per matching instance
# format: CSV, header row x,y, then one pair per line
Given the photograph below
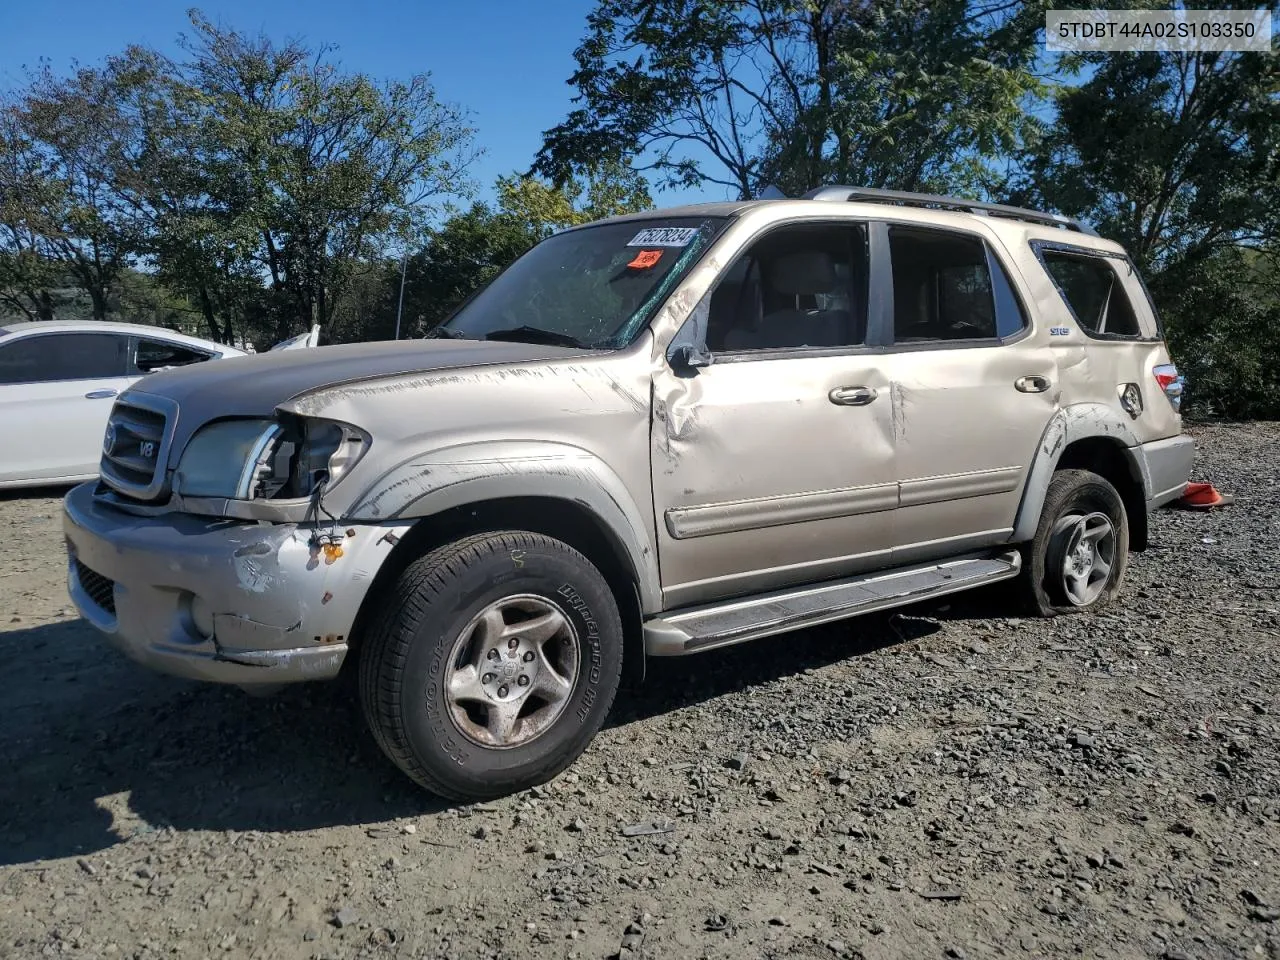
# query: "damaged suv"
x,y
650,436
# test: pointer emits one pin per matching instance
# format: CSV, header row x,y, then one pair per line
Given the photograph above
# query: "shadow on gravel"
x,y
90,725
674,682
96,750
994,602
36,493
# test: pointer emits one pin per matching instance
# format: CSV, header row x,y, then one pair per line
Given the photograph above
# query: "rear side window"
x,y
50,357
155,355
1093,291
948,286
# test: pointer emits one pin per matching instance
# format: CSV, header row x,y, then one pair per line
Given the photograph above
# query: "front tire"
x,y
1080,552
493,664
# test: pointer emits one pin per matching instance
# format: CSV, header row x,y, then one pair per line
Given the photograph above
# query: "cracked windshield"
x,y
593,287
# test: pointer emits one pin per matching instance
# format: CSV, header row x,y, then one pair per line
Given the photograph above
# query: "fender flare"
x,y
470,473
1080,421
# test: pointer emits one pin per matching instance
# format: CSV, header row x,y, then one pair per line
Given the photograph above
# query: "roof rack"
x,y
868,195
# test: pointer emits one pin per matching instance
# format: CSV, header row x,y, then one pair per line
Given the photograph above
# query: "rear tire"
x,y
492,665
1080,552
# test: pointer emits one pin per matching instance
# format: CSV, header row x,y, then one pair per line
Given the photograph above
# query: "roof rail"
x,y
868,195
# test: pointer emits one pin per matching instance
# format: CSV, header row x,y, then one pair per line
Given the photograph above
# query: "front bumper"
x,y
216,600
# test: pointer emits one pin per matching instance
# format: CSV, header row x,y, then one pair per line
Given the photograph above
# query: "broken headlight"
x,y
268,459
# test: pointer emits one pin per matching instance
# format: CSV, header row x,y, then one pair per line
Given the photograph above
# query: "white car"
x,y
59,380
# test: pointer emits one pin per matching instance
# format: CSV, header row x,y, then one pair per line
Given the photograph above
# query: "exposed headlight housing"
x,y
259,459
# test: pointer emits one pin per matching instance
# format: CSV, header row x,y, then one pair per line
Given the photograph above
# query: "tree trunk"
x,y
44,305
273,259
206,308
825,121
98,295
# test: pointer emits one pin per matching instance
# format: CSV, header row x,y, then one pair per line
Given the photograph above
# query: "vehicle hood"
x,y
302,342
255,385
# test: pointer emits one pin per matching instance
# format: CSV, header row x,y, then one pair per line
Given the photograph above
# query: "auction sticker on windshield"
x,y
645,259
664,237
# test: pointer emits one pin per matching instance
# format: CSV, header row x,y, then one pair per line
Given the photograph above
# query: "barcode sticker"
x,y
664,237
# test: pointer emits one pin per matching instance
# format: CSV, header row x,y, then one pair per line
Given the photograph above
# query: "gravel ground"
x,y
944,783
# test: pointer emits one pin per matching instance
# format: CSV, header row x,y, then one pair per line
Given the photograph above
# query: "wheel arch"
x,y
569,521
1091,437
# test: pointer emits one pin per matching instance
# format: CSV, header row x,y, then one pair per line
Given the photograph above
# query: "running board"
x,y
695,629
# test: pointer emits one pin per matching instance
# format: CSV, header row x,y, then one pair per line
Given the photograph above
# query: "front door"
x,y
56,393
774,464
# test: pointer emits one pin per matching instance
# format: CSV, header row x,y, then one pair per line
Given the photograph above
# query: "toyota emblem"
x,y
109,439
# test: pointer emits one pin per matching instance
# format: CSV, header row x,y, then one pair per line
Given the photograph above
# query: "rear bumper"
x,y
214,600
1166,466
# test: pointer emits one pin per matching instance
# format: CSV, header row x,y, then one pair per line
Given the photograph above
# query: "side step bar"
x,y
695,629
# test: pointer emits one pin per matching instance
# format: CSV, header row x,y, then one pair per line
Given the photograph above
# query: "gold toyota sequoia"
x,y
650,436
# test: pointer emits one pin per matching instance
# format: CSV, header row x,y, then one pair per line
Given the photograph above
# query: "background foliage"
x,y
247,189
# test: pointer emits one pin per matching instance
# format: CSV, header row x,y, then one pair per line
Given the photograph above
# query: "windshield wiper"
x,y
445,333
528,334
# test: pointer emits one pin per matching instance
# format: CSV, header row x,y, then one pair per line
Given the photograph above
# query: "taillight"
x,y
1171,383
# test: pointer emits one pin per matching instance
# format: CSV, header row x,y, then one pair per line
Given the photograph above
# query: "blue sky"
x,y
506,61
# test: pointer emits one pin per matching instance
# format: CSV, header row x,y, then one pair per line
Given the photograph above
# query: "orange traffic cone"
x,y
1203,496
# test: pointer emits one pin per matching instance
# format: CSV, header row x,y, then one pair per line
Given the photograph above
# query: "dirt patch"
x,y
944,783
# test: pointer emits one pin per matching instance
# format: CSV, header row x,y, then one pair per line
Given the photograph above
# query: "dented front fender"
x,y
432,482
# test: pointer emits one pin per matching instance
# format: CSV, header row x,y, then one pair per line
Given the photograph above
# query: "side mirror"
x,y
688,356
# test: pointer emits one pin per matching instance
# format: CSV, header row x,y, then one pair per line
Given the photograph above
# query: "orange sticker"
x,y
645,259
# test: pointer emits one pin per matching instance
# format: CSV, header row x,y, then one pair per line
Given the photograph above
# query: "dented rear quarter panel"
x,y
1091,374
1092,370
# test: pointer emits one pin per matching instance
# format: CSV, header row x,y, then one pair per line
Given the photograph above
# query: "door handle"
x,y
100,394
851,396
1032,384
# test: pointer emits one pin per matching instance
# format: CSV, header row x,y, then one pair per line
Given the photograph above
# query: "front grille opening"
x,y
101,590
132,446
105,493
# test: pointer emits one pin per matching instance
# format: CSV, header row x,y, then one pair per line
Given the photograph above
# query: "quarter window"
x,y
795,288
948,286
155,355
1094,293
45,358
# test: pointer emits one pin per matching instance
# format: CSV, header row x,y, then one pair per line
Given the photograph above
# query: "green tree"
x,y
462,255
78,135
367,308
694,87
200,242
28,274
1177,157
930,95
610,189
1222,320
742,93
324,169
471,248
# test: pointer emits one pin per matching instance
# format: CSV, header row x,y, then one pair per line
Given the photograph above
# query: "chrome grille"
x,y
101,590
135,446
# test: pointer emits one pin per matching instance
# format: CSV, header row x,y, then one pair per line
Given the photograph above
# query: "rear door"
x,y
56,392
974,387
